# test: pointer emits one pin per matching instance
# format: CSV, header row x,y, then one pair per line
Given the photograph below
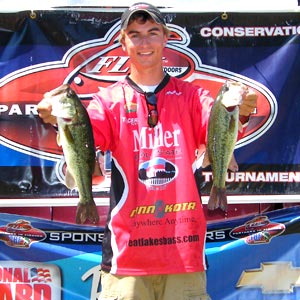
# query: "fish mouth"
x,y
230,108
67,120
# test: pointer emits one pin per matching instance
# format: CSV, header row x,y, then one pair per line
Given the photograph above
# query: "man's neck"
x,y
147,77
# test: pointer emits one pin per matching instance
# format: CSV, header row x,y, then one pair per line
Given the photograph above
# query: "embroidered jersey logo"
x,y
130,107
101,62
259,230
157,171
173,93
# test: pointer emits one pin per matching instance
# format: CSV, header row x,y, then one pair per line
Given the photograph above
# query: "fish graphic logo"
x,y
99,63
259,230
20,234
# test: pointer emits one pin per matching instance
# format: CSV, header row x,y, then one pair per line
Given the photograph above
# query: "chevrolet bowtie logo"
x,y
273,277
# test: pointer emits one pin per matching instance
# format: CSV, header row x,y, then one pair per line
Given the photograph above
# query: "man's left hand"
x,y
249,103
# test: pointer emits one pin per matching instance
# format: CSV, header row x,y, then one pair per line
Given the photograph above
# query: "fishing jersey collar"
x,y
162,84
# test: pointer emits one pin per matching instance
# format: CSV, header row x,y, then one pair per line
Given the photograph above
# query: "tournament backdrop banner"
x,y
42,50
250,258
39,51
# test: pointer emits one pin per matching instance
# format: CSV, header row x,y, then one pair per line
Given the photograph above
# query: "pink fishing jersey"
x,y
156,223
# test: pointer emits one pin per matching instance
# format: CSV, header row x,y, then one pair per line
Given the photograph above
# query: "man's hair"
x,y
142,17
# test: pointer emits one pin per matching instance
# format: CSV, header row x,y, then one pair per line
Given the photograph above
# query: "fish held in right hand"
x,y
75,136
222,135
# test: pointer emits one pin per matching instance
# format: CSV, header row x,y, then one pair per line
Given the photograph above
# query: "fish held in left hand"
x,y
222,135
75,136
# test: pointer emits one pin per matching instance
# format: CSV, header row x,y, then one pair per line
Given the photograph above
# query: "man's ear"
x,y
166,41
123,45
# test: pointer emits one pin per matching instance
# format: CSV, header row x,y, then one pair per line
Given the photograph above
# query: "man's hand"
x,y
249,103
239,94
44,109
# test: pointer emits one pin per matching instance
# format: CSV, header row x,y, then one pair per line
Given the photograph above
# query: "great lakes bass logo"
x,y
98,63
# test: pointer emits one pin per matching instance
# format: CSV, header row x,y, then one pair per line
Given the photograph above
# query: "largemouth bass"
x,y
222,136
75,136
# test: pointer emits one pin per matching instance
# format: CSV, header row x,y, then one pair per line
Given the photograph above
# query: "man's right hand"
x,y
44,109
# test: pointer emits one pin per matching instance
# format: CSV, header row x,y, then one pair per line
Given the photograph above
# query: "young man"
x,y
153,124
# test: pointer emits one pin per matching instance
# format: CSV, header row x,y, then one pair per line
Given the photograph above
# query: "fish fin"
x,y
68,135
217,199
232,124
97,175
97,169
233,165
223,200
69,180
87,211
206,160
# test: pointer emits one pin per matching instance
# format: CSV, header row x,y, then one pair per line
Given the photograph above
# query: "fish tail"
x,y
217,199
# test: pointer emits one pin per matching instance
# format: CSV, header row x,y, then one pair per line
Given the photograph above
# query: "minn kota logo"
x,y
271,277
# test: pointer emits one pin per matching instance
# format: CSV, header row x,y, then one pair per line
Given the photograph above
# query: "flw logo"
x,y
102,62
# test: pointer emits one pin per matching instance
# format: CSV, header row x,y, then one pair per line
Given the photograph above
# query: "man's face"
x,y
144,43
